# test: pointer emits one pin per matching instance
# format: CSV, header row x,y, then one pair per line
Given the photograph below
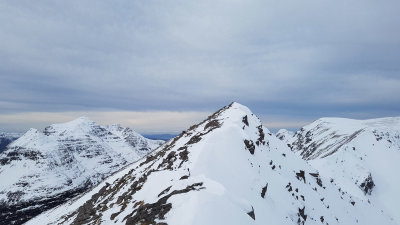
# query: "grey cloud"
x,y
274,56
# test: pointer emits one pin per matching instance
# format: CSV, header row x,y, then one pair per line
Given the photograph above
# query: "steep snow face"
x,y
228,169
360,155
43,169
7,138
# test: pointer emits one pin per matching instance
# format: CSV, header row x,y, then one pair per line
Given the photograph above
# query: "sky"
x,y
160,66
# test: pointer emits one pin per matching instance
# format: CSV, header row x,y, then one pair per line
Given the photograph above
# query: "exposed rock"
x,y
245,121
264,190
148,213
252,214
302,216
260,140
318,179
367,185
250,146
300,176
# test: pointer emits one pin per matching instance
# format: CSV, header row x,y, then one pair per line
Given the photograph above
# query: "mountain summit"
x,y
41,170
228,169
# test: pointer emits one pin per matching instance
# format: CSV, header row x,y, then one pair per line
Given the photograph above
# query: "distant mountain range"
x,y
164,137
230,169
43,169
7,138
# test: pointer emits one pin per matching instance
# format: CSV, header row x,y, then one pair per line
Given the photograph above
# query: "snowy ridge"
x,y
330,134
360,155
43,169
228,169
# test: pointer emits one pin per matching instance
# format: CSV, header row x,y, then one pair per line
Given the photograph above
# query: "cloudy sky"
x,y
159,66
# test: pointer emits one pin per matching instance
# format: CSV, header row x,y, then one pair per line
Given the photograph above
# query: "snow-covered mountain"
x,y
362,156
41,170
228,169
284,135
7,138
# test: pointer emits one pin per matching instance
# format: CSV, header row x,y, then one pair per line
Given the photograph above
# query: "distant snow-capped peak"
x,y
284,135
43,169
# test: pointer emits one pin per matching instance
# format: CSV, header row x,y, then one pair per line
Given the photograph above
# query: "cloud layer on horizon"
x,y
285,60
150,122
142,122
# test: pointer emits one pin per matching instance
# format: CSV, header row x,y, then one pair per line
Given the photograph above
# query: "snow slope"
x,y
43,169
228,169
360,155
